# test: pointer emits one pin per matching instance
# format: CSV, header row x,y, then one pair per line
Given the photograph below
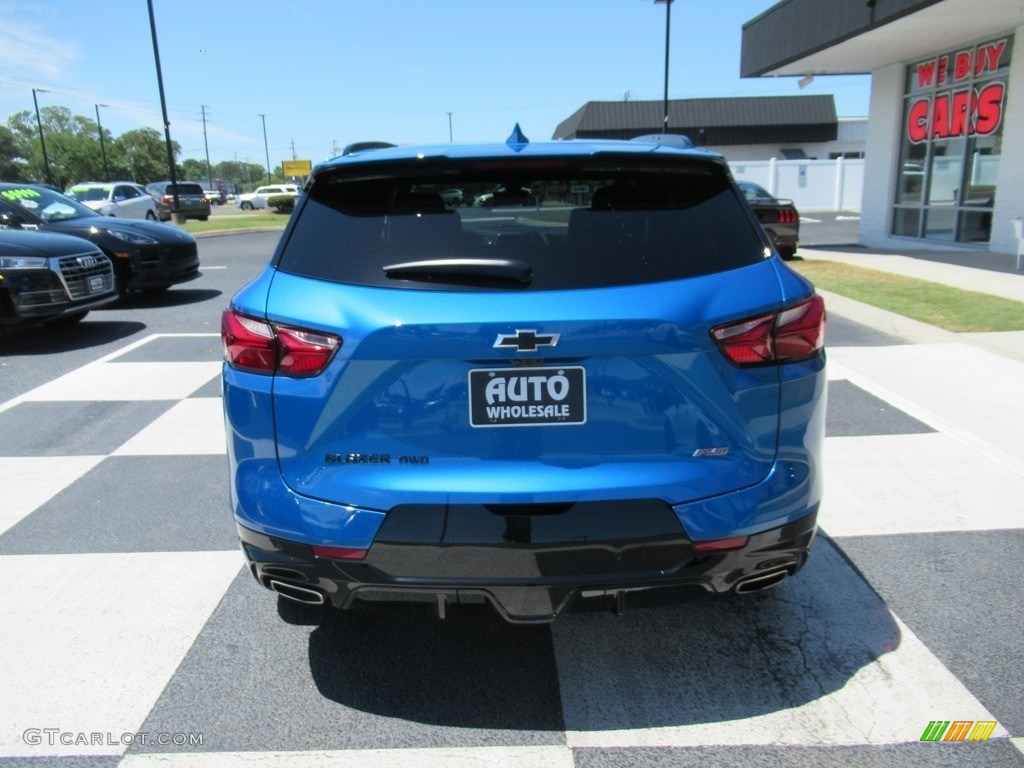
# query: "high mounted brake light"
x,y
792,334
257,346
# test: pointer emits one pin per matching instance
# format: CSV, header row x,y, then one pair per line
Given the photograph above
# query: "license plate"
x,y
527,397
96,284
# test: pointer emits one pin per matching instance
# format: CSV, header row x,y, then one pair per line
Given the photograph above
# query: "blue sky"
x,y
328,72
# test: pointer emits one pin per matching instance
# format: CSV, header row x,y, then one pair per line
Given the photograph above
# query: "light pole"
x,y
668,24
450,139
42,141
178,217
266,149
103,148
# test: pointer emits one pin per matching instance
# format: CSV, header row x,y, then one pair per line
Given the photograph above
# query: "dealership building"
x,y
945,137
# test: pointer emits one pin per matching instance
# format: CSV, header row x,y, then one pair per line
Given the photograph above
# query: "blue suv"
x,y
604,381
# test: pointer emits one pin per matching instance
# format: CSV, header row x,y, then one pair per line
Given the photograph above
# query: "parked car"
x,y
778,217
147,255
259,198
116,198
192,200
51,278
216,196
623,393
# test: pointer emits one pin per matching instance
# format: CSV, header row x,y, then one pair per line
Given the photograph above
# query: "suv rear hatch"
x,y
553,344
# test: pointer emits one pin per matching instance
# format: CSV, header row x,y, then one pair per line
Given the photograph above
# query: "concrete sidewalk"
x,y
994,275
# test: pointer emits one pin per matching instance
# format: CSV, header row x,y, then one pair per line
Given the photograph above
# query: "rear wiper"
x,y
511,270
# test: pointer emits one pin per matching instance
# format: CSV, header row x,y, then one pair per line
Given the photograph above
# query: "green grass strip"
x,y
231,223
940,305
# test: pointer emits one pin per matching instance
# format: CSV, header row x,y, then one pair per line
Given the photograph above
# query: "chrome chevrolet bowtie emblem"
x,y
526,341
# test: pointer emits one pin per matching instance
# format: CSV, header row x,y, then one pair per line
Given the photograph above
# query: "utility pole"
x,y
668,22
209,170
167,123
42,141
103,148
266,149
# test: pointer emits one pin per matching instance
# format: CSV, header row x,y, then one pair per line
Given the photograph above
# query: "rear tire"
x,y
150,216
246,206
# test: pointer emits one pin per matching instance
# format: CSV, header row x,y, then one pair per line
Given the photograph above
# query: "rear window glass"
x,y
563,225
185,189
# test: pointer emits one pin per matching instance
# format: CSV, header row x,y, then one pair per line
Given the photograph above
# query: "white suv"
x,y
258,199
116,198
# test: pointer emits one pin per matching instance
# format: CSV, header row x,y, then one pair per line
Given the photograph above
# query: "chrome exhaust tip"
x,y
297,593
760,583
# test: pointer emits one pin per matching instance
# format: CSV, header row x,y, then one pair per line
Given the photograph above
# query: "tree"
x,y
245,175
193,170
72,145
13,164
141,155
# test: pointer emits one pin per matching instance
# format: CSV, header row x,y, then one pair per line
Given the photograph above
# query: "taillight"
x,y
261,347
788,216
787,336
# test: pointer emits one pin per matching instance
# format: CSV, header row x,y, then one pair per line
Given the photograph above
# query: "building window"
x,y
951,143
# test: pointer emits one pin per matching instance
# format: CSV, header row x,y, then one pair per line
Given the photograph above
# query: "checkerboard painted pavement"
x,y
131,634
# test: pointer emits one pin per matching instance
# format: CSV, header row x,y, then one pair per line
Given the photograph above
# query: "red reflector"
x,y
720,545
340,553
793,334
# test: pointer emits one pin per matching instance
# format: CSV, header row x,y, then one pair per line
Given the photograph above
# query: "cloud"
x,y
27,51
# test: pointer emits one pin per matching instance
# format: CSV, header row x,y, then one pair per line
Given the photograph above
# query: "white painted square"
x,y
973,394
193,426
91,640
128,381
454,757
925,483
29,482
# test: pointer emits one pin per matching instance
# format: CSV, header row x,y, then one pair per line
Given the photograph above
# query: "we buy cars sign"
x,y
964,109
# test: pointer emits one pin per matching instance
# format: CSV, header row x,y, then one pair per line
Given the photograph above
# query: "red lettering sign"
x,y
962,65
989,109
925,73
956,114
975,62
917,120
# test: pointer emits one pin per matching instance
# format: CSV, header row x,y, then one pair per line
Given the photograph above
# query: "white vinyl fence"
x,y
814,185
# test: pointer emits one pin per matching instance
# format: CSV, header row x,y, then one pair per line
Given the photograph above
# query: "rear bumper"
x,y
512,562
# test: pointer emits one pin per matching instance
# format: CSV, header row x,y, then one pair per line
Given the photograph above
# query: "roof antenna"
x,y
517,140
